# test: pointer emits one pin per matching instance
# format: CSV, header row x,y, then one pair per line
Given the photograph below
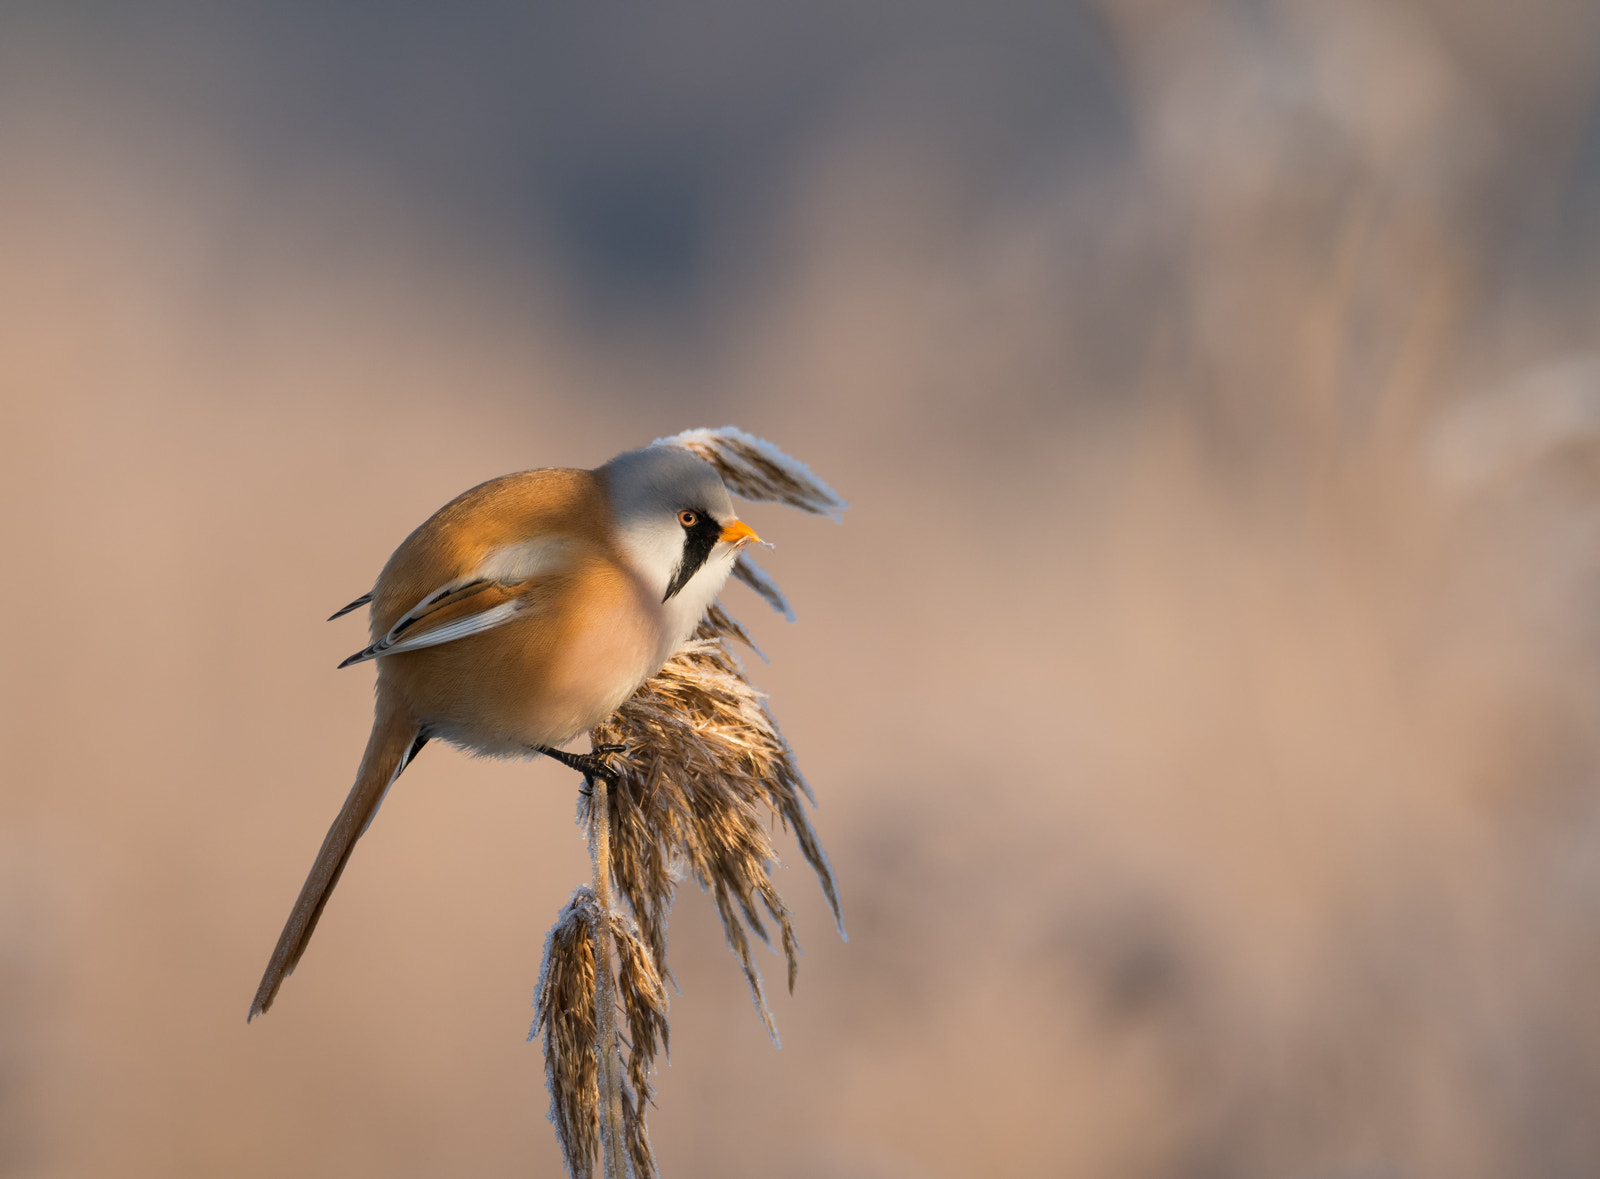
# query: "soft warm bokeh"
x,y
1203,693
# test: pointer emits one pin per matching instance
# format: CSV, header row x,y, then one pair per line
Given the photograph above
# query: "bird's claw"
x,y
595,765
591,765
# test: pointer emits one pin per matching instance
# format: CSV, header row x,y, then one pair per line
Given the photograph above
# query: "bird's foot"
x,y
594,764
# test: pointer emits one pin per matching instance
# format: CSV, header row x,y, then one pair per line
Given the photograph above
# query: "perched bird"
x,y
523,613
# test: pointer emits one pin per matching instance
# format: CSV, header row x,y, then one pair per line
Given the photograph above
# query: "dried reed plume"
x,y
702,771
566,1006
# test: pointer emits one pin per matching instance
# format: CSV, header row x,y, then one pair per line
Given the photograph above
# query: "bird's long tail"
x,y
396,738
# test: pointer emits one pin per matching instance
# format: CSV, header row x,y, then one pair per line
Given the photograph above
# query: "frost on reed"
x,y
565,1005
702,773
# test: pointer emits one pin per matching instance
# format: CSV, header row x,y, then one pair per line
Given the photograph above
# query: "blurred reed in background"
x,y
1203,698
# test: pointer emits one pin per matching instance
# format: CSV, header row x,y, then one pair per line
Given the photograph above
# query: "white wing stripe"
x,y
417,611
460,628
519,562
507,565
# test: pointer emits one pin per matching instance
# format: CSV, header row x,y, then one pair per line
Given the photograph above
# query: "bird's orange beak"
x,y
737,532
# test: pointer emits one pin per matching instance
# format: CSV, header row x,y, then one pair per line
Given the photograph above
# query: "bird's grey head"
x,y
675,522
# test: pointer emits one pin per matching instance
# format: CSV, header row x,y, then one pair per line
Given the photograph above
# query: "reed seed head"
x,y
703,773
705,770
564,1014
754,469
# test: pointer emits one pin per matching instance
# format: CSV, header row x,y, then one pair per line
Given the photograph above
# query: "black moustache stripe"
x,y
698,542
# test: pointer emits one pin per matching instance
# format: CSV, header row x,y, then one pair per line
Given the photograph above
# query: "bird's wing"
x,y
476,564
453,612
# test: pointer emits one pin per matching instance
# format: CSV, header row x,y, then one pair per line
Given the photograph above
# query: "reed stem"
x,y
613,1147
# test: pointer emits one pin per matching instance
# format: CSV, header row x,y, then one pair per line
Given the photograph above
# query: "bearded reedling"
x,y
540,605
523,613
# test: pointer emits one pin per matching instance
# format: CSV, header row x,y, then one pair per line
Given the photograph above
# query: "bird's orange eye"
x,y
687,518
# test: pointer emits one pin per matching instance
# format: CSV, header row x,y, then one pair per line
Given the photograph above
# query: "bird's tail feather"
x,y
396,738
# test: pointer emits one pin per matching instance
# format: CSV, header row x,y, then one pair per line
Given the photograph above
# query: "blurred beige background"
x,y
1203,692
